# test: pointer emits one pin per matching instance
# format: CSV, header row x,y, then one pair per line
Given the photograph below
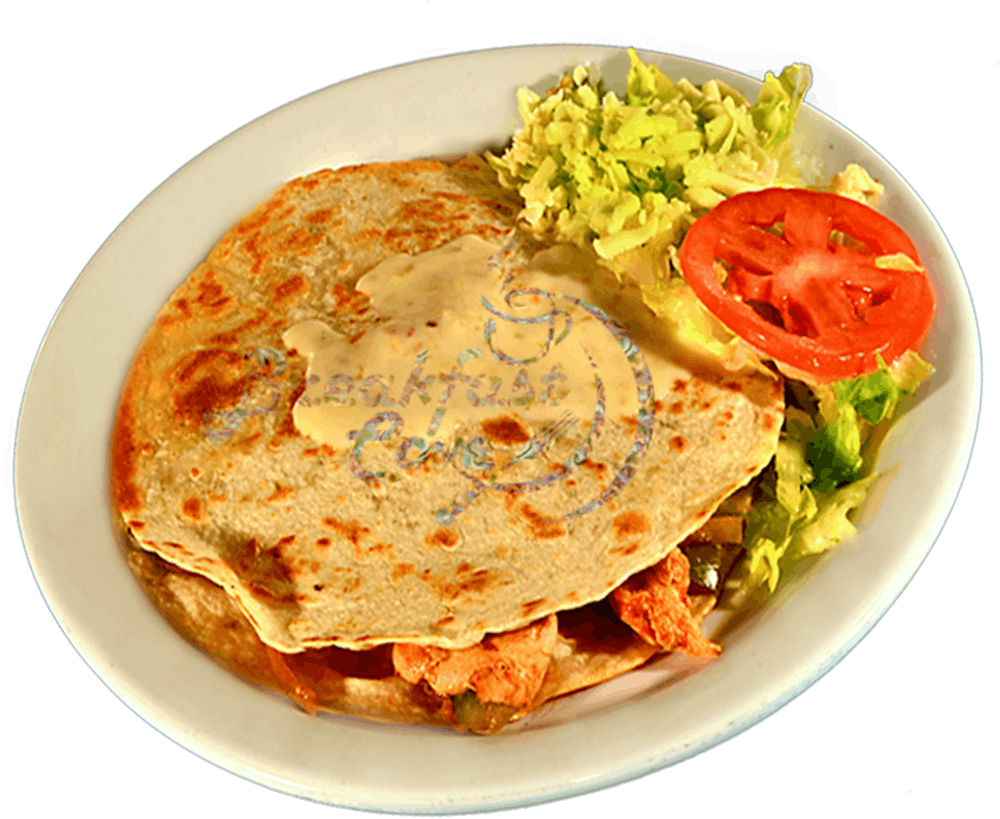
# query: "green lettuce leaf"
x,y
822,471
909,371
829,524
837,452
778,104
799,523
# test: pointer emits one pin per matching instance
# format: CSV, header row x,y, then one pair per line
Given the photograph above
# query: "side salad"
x,y
691,193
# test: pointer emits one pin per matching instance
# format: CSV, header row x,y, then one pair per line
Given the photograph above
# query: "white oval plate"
x,y
441,107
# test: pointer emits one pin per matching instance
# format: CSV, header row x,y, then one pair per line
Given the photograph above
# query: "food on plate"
x,y
664,216
508,462
628,176
828,309
411,445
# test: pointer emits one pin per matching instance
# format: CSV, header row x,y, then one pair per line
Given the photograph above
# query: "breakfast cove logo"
x,y
456,351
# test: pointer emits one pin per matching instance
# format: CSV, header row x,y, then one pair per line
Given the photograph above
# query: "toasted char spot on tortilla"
x,y
256,253
468,584
443,537
542,526
631,524
247,443
211,295
677,408
678,443
401,570
506,430
626,551
352,531
232,337
136,524
209,381
178,547
313,182
286,428
348,301
253,222
192,508
320,216
529,608
631,424
680,385
302,241
280,491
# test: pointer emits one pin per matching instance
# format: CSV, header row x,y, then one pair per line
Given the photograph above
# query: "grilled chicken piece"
x,y
656,605
504,668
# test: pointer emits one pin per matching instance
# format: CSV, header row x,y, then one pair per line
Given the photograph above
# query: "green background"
x,y
101,102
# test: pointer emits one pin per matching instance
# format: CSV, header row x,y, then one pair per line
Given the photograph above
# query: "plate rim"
x,y
145,710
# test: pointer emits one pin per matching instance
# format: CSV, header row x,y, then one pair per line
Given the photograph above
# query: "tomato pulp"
x,y
827,308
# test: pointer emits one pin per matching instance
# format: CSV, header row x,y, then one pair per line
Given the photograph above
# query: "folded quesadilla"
x,y
385,453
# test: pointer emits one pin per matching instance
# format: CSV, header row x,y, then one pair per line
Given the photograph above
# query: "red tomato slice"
x,y
809,302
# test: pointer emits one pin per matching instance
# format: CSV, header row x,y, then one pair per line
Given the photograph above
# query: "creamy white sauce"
x,y
457,345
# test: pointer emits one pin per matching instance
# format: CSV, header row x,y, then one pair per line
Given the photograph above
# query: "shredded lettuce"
x,y
822,471
773,523
691,326
829,524
862,403
798,522
855,183
627,176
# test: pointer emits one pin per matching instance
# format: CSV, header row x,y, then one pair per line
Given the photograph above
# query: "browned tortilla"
x,y
211,474
593,646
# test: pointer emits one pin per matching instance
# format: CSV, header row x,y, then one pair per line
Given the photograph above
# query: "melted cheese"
x,y
455,345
